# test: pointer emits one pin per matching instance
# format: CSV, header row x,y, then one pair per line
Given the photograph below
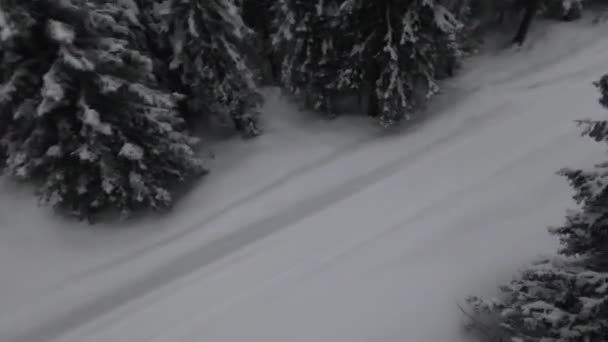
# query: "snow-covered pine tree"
x,y
11,22
207,40
474,19
564,299
400,48
395,50
86,119
586,231
306,36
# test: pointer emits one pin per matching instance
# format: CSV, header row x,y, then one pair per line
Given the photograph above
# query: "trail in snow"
x,y
237,204
217,249
107,247
363,238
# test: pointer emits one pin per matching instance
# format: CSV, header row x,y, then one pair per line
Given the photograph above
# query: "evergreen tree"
x,y
207,40
394,50
399,49
85,117
475,16
565,299
586,231
307,37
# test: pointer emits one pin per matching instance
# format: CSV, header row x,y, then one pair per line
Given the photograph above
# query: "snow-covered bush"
x,y
206,39
553,300
83,116
564,299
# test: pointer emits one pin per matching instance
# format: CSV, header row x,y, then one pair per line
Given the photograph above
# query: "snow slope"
x,y
326,231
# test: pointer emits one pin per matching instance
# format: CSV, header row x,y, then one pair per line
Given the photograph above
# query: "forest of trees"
x,y
99,99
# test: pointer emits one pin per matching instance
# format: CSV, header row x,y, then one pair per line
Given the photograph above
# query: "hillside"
x,y
308,235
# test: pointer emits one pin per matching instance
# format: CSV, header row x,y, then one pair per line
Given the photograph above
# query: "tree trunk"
x,y
373,103
256,14
531,9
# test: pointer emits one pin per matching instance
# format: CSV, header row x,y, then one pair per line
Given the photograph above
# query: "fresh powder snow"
x,y
308,235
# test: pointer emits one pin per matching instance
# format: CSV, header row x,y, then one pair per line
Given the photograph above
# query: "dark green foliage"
x,y
393,50
586,230
207,40
95,96
306,35
85,117
402,49
564,299
553,300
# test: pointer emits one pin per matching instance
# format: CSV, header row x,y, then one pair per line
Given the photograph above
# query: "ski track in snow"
x,y
209,219
245,235
196,285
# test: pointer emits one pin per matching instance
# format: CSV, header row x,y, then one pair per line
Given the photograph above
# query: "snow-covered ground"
x,y
326,232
